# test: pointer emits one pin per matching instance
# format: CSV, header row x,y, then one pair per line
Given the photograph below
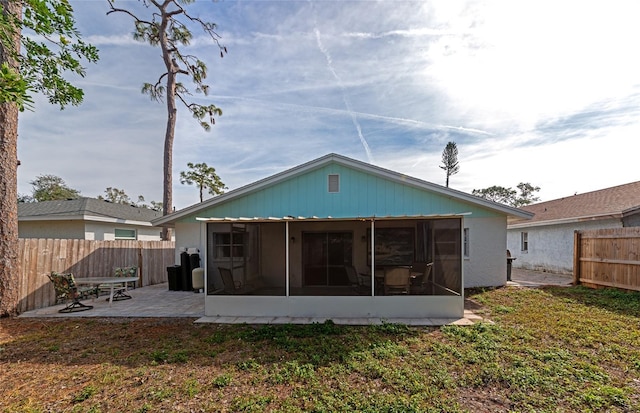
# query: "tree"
x,y
496,193
28,63
25,199
116,196
52,188
509,196
204,176
526,196
169,28
450,160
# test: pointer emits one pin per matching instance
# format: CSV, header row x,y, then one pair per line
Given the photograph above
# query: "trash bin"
x,y
194,260
173,274
197,279
186,271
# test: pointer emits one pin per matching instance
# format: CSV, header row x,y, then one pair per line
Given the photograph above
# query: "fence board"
x,y
608,257
83,258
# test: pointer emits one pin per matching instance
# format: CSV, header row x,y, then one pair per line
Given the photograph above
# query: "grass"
x,y
546,350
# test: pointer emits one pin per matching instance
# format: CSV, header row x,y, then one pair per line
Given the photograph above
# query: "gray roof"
x,y
84,209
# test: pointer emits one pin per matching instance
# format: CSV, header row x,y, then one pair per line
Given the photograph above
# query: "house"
x,y
546,242
86,218
323,238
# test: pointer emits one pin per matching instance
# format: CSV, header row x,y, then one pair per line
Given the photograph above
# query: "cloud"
x,y
529,91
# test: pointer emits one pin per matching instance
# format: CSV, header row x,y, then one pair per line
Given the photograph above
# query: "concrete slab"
x,y
157,301
535,279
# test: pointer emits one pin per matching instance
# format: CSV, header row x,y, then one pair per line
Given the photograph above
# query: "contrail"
x,y
315,109
354,118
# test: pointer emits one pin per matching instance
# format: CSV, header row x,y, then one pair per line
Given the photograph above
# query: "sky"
x,y
544,92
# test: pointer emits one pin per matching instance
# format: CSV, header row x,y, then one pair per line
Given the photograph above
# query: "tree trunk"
x,y
167,196
9,265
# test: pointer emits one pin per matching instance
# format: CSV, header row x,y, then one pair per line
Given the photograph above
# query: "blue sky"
x,y
544,92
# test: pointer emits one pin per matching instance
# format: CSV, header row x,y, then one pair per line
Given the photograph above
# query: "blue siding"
x,y
361,194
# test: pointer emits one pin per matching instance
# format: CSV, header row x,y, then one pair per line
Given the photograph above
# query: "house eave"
x,y
85,218
329,218
561,221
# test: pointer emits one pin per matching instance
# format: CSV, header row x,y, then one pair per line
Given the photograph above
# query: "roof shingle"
x,y
610,201
85,207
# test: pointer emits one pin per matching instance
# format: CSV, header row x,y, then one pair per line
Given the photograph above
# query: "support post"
x,y
577,254
373,258
286,223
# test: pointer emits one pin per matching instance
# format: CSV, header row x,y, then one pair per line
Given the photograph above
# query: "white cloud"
x,y
531,91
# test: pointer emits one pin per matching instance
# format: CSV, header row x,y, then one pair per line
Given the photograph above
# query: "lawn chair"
x,y
358,282
131,271
66,289
397,280
230,285
120,290
420,283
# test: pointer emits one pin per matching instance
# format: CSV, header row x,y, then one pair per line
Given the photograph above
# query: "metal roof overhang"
x,y
330,218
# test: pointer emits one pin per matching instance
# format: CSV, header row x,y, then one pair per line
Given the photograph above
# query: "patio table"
x,y
112,281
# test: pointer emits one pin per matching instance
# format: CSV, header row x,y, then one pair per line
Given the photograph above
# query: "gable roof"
x,y
346,162
86,209
614,202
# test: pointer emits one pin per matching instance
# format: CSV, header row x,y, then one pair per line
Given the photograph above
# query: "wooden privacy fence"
x,y
85,258
607,257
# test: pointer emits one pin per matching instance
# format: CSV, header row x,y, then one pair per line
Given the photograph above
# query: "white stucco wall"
x,y
75,229
191,235
106,231
550,246
486,265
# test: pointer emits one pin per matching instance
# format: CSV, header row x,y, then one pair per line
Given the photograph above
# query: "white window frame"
x,y
232,246
129,230
466,251
524,241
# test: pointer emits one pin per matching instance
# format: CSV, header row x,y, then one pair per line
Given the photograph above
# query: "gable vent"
x,y
334,183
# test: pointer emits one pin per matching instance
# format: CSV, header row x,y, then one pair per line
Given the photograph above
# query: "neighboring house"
x,y
86,218
316,241
545,242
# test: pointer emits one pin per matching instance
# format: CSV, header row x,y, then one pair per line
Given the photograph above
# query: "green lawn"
x,y
553,349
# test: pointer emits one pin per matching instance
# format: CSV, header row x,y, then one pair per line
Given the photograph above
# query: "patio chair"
x,y
358,282
66,289
420,282
230,285
397,280
131,271
120,290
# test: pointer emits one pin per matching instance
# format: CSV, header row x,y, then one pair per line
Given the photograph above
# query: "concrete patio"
x,y
158,301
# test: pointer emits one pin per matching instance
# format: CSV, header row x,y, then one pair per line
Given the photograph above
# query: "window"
x,y
334,183
125,234
524,241
466,242
228,245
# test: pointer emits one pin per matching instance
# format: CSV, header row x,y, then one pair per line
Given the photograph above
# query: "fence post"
x,y
577,254
140,264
